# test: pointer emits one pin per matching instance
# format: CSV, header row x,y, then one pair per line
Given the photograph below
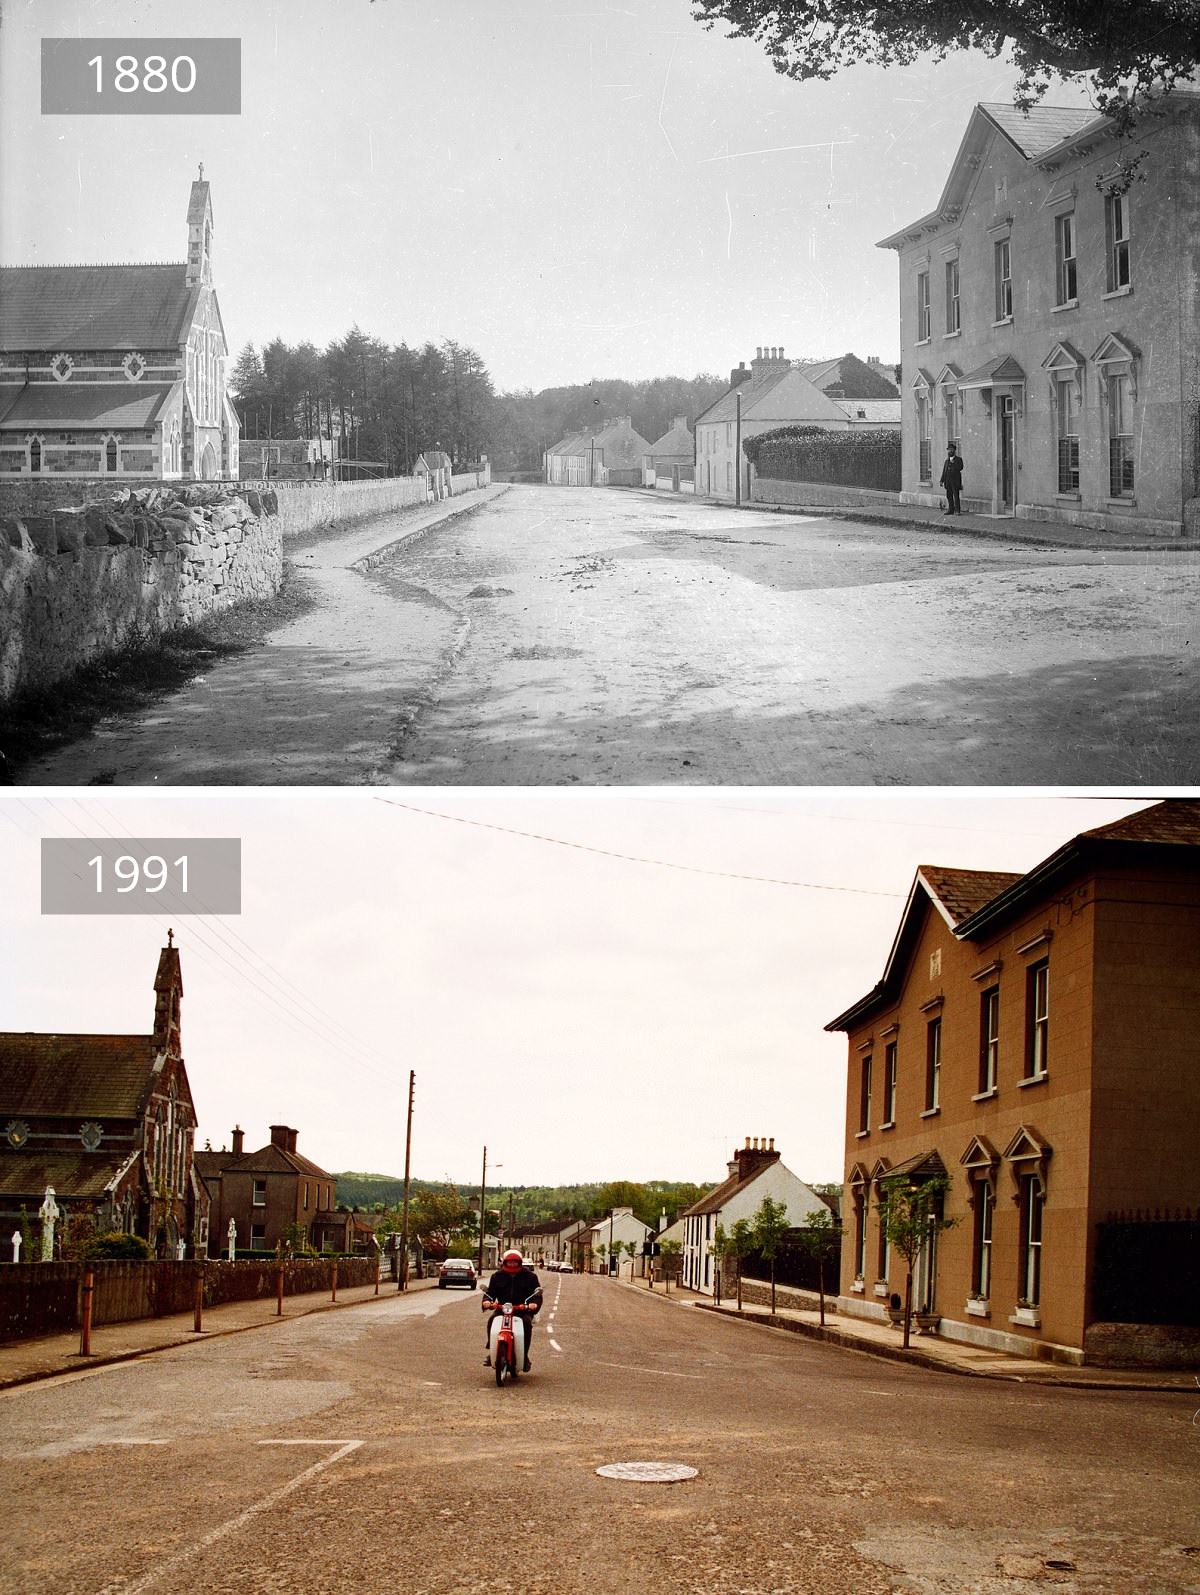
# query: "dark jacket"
x,y
952,471
516,1288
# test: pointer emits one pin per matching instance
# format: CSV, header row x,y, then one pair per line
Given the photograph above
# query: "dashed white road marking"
x,y
345,1447
556,1345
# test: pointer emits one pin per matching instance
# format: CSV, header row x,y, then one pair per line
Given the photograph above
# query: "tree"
x,y
820,1238
668,1251
437,1215
1131,51
601,1250
741,1241
631,1249
769,1226
910,1214
718,1250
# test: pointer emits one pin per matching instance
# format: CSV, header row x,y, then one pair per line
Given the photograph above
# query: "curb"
x,y
920,1359
378,555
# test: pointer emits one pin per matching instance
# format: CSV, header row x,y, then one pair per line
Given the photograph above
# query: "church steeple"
x,y
168,995
200,231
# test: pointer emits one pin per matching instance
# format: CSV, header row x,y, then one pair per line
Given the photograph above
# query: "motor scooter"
x,y
506,1338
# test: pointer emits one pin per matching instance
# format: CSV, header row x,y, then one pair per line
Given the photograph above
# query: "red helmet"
x,y
511,1262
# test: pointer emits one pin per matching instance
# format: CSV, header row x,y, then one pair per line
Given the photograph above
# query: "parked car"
x,y
457,1271
566,1268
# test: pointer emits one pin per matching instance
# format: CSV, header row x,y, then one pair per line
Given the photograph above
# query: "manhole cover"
x,y
648,1472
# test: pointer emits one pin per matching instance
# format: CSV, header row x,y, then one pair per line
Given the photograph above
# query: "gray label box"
x,y
145,875
141,77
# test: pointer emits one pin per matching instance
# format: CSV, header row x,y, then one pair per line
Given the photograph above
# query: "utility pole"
x,y
482,1212
402,1272
737,452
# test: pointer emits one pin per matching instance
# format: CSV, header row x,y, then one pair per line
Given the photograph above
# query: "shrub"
x,y
843,459
119,1246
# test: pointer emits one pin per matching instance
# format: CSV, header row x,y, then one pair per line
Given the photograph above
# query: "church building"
x,y
108,1124
117,370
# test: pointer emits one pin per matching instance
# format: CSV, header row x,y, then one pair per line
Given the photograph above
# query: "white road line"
x,y
556,1345
663,1373
104,1439
268,1501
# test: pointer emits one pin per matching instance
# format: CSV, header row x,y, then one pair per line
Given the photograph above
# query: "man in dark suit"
x,y
951,480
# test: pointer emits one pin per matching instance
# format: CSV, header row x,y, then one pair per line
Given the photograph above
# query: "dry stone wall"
x,y
76,583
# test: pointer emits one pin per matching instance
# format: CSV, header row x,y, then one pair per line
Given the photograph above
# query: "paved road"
x,y
369,1450
603,637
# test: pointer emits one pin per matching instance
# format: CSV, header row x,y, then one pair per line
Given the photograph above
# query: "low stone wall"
x,y
76,583
46,1298
769,490
1142,1345
304,506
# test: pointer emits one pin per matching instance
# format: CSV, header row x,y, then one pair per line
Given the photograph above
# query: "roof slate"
x,y
83,1175
1176,821
1040,128
92,404
103,1077
94,307
962,892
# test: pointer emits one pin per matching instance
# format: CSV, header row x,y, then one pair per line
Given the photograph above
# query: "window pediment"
x,y
980,1155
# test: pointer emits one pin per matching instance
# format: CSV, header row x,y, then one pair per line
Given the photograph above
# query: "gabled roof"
x,y
729,1188
101,1077
95,307
678,440
269,1159
1001,368
955,894
132,406
1033,135
974,902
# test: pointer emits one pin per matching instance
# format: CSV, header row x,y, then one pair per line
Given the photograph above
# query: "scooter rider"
x,y
513,1282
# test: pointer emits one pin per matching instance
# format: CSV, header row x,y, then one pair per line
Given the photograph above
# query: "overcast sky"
x,y
576,191
586,1017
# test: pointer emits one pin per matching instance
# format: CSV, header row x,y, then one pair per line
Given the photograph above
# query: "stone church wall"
x,y
76,583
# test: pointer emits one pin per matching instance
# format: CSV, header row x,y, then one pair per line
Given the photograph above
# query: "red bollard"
x,y
85,1338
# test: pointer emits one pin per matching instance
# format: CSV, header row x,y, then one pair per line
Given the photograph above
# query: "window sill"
x,y
931,1113
861,1135
890,1125
986,1096
1067,304
1122,503
978,1307
1027,1317
881,1288
1033,1079
1119,293
1004,321
922,342
956,334
858,1288
1068,498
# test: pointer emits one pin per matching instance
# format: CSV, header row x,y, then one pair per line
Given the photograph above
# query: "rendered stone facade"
x,y
1051,327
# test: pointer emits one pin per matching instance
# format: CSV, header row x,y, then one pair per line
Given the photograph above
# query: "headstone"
x,y
48,1213
232,1239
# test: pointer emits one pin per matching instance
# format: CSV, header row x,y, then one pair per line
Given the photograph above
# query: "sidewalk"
x,y
45,1356
1009,529
935,1352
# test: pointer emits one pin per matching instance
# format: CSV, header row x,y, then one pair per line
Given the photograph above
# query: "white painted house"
x,y
754,1172
610,1233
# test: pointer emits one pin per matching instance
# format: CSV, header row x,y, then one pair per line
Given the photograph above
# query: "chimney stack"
x,y
279,1136
739,374
238,1135
755,1155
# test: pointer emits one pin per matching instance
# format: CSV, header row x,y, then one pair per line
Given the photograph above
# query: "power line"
x,y
634,858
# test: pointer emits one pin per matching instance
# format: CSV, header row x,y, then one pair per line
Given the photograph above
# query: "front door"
x,y
1008,452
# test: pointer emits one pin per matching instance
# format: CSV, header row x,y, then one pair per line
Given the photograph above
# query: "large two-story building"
x,y
1033,1041
1050,323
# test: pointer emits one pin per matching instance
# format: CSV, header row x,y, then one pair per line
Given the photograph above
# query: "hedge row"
x,y
841,459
